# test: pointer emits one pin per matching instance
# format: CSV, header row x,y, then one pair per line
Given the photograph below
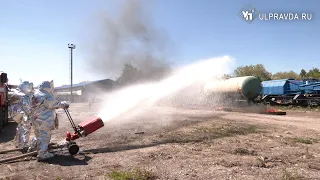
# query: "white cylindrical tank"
x,y
246,86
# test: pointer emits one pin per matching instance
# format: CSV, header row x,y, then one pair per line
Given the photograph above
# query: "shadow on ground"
x,y
8,132
59,159
68,160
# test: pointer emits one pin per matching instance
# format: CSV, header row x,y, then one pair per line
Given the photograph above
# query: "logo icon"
x,y
248,13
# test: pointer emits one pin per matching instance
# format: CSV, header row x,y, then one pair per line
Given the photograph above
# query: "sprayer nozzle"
x,y
91,125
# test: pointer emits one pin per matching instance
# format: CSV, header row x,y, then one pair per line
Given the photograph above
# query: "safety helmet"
x,y
47,86
26,87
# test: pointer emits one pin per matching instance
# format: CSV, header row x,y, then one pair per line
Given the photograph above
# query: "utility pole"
x,y
71,47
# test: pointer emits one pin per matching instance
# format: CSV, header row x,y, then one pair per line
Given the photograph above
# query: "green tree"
x,y
130,74
145,71
226,76
286,75
314,73
303,73
257,70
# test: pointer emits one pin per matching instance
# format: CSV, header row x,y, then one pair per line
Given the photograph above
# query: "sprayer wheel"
x,y
73,149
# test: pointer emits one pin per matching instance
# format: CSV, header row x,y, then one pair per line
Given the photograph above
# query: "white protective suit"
x,y
20,101
44,118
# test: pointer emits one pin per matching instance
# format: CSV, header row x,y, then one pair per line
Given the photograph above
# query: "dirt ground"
x,y
181,144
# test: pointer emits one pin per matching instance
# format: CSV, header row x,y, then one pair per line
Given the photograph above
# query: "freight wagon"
x,y
291,92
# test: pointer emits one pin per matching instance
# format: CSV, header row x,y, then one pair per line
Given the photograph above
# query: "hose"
x,y
18,157
10,150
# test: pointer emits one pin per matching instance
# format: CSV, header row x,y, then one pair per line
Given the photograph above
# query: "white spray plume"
x,y
145,95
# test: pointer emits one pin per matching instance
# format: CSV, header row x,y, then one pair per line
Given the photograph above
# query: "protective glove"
x,y
65,105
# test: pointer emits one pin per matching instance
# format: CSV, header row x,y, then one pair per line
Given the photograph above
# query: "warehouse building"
x,y
83,91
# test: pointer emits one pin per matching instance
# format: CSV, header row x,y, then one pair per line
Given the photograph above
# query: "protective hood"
x,y
26,87
46,86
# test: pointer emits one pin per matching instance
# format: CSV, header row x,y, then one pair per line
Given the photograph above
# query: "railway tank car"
x,y
294,92
238,88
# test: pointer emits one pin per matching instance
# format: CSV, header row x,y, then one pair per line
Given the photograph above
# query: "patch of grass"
x,y
303,140
229,164
136,174
228,130
205,133
286,175
6,178
243,151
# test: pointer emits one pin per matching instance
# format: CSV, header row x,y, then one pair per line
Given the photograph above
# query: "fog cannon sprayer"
x,y
82,130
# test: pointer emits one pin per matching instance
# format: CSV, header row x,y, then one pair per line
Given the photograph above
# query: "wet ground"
x,y
181,143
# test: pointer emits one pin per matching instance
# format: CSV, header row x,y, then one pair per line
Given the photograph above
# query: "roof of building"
x,y
80,84
78,92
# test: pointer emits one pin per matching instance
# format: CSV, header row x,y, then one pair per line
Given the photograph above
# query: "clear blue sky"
x,y
34,35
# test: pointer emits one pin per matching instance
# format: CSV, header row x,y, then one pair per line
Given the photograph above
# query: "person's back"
x,y
43,102
44,117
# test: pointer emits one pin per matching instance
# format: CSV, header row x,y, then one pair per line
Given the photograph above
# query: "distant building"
x,y
82,91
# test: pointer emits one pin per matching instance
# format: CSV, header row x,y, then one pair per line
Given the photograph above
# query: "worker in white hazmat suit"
x,y
44,118
20,101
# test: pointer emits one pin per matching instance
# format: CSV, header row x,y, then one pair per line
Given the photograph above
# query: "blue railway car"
x,y
291,92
